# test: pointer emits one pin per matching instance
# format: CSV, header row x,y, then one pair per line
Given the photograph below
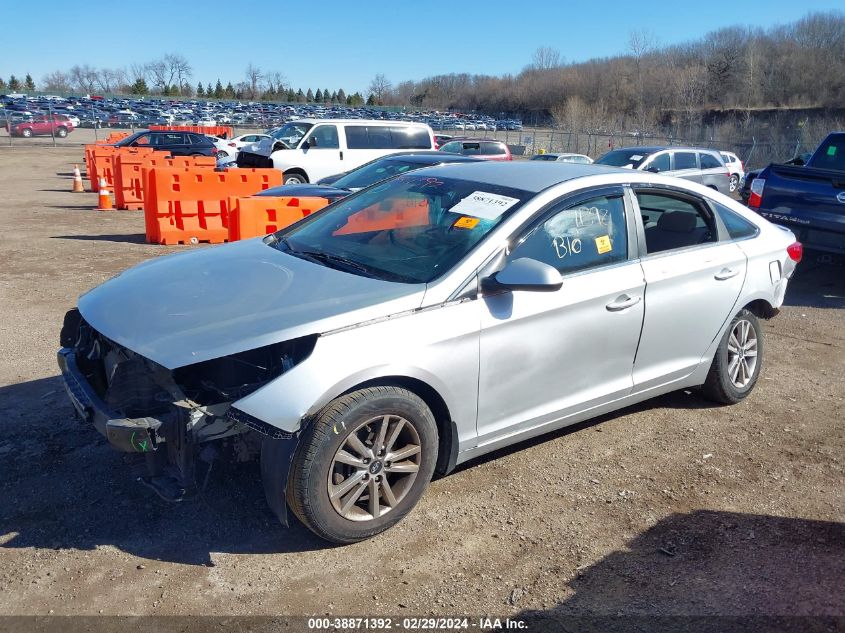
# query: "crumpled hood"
x,y
196,306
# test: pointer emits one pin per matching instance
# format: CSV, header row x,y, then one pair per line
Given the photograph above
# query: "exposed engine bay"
x,y
171,418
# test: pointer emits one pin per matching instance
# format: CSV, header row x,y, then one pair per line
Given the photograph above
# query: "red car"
x,y
488,149
41,125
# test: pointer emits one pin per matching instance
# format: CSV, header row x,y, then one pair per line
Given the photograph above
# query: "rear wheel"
x,y
295,179
61,132
222,154
738,360
734,183
363,464
26,132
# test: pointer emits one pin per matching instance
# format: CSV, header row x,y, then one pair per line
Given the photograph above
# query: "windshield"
x,y
410,229
631,158
544,157
372,173
291,133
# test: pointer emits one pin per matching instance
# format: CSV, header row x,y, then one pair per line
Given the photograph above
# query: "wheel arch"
x,y
296,170
761,308
447,449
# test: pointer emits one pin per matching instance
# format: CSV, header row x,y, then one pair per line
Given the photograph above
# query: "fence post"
x,y
93,123
52,122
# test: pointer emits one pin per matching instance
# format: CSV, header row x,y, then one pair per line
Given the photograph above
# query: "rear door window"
x,y
492,149
685,160
386,137
708,161
672,222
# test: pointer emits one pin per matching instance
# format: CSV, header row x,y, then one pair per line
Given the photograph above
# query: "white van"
x,y
310,149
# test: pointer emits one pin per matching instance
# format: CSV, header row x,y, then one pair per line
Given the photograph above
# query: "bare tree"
x,y
545,58
57,82
83,78
253,76
275,81
380,87
178,69
159,76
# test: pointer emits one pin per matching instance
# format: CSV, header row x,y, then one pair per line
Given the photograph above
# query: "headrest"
x,y
677,221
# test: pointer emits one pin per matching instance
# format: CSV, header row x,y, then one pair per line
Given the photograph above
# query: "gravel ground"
x,y
674,507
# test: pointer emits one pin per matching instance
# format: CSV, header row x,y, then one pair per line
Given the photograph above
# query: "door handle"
x,y
341,156
622,303
725,273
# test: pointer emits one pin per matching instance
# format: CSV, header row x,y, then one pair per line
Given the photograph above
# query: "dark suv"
x,y
175,143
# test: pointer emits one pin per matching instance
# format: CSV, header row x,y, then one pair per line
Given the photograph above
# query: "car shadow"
x,y
71,490
711,571
131,238
819,282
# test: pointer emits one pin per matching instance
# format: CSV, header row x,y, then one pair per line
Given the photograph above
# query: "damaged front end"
x,y
169,418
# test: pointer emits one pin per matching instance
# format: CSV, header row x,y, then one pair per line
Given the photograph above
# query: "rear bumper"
x,y
129,435
812,238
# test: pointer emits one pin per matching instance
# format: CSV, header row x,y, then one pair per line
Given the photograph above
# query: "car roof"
x,y
471,139
660,148
432,157
359,122
533,176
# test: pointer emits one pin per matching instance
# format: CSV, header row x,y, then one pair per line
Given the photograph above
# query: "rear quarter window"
x,y
738,227
492,149
386,137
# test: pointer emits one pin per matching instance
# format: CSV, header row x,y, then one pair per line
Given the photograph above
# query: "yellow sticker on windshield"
x,y
603,244
466,223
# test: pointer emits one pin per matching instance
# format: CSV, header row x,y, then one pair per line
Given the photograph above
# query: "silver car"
x,y
703,166
420,323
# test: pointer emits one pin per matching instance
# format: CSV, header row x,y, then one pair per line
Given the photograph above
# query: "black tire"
x,y
26,132
61,132
719,386
295,178
308,485
734,183
222,154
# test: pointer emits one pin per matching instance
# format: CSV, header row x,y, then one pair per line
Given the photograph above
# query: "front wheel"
x,y
734,183
222,154
363,463
738,360
294,179
26,133
61,132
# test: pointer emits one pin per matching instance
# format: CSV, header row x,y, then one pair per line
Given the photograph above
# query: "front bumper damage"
x,y
141,409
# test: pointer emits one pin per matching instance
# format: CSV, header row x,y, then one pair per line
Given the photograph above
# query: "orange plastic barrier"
x,y
402,214
130,169
211,130
259,215
191,205
101,166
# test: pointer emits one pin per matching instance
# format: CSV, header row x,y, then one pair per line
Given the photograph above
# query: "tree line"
x,y
745,68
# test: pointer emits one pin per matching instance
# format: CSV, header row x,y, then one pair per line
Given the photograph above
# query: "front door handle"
x,y
622,302
341,155
725,273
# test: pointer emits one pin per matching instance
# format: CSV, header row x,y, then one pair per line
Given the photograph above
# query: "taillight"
x,y
214,151
795,251
756,196
233,145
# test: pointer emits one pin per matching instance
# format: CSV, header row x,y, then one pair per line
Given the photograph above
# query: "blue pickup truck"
x,y
809,199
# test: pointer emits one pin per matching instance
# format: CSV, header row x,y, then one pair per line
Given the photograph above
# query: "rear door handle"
x,y
623,302
725,273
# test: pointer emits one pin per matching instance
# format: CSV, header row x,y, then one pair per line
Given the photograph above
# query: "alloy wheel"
x,y
374,468
742,353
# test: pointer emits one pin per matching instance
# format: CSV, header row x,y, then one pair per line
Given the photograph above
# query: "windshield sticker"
x,y
603,244
487,206
831,151
635,157
466,223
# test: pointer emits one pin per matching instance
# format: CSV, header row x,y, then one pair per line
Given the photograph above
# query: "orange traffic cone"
x,y
77,180
105,197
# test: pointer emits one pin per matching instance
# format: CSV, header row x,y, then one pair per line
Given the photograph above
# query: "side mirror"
x,y
653,169
278,146
306,145
524,274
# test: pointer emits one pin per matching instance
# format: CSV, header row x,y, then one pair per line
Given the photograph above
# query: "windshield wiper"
x,y
335,261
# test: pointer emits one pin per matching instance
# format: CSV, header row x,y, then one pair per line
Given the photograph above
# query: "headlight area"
x,y
172,418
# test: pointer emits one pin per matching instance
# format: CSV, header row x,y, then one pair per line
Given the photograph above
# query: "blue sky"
x,y
343,44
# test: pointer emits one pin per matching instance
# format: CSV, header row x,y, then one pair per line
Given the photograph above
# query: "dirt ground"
x,y
674,507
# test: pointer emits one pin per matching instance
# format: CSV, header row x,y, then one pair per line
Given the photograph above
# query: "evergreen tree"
x,y
371,100
341,96
333,98
14,84
200,89
290,97
300,96
319,96
2,84
230,91
218,90
28,84
139,87
326,97
309,96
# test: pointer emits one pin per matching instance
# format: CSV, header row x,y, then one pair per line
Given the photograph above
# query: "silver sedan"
x,y
422,322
